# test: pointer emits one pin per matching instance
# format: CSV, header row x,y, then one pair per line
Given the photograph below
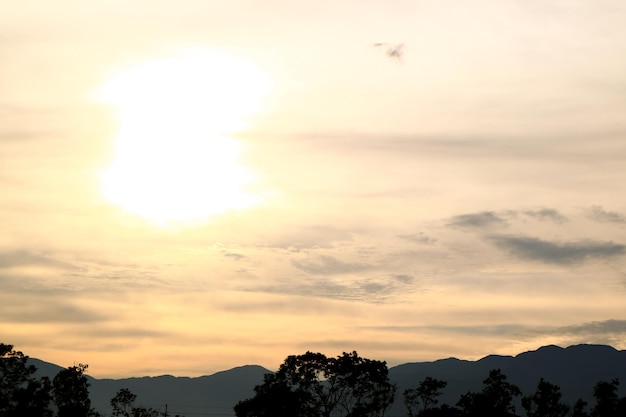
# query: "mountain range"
x,y
574,369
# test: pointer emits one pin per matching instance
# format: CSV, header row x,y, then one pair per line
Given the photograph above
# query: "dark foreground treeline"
x,y
308,385
313,385
67,395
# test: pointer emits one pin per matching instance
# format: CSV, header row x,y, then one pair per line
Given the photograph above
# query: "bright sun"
x,y
174,160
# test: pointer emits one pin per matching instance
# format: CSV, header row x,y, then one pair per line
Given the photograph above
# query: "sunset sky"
x,y
190,186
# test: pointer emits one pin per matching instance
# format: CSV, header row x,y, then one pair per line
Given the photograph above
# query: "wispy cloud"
x,y
368,290
419,238
365,291
598,213
47,310
482,219
234,255
504,218
596,327
612,326
328,265
546,214
19,258
561,253
404,278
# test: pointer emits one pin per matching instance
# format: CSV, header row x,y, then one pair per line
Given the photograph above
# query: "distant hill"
x,y
575,369
213,395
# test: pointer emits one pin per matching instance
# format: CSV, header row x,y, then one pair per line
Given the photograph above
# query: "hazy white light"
x,y
173,160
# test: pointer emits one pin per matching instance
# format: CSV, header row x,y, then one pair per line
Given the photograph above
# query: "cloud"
x,y
492,218
365,290
19,258
419,238
546,214
329,265
600,328
561,253
233,255
596,327
45,310
484,330
128,332
404,278
597,213
481,219
369,290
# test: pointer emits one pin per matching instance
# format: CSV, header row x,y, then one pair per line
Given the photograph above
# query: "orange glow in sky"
x,y
186,187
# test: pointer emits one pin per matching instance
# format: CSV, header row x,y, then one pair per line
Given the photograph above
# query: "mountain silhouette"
x,y
574,369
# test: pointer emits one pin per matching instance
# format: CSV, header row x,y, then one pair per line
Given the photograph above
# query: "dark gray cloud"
x,y
546,214
597,213
404,278
419,238
328,265
562,253
596,327
233,255
501,219
481,219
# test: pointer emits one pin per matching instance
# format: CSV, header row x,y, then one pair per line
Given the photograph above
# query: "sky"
x,y
191,186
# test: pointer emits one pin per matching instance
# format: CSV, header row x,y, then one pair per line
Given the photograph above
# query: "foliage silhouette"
x,y
313,385
308,385
70,391
495,400
608,402
545,402
419,401
123,406
123,402
579,409
21,394
274,398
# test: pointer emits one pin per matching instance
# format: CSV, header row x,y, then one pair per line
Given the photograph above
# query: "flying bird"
x,y
392,51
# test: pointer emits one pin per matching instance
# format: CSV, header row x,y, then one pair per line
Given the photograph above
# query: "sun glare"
x,y
174,160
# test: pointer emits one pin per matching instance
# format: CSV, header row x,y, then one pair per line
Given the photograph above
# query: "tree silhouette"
x,y
313,385
144,412
495,400
607,399
123,406
123,402
71,392
21,394
545,402
421,399
274,398
579,408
